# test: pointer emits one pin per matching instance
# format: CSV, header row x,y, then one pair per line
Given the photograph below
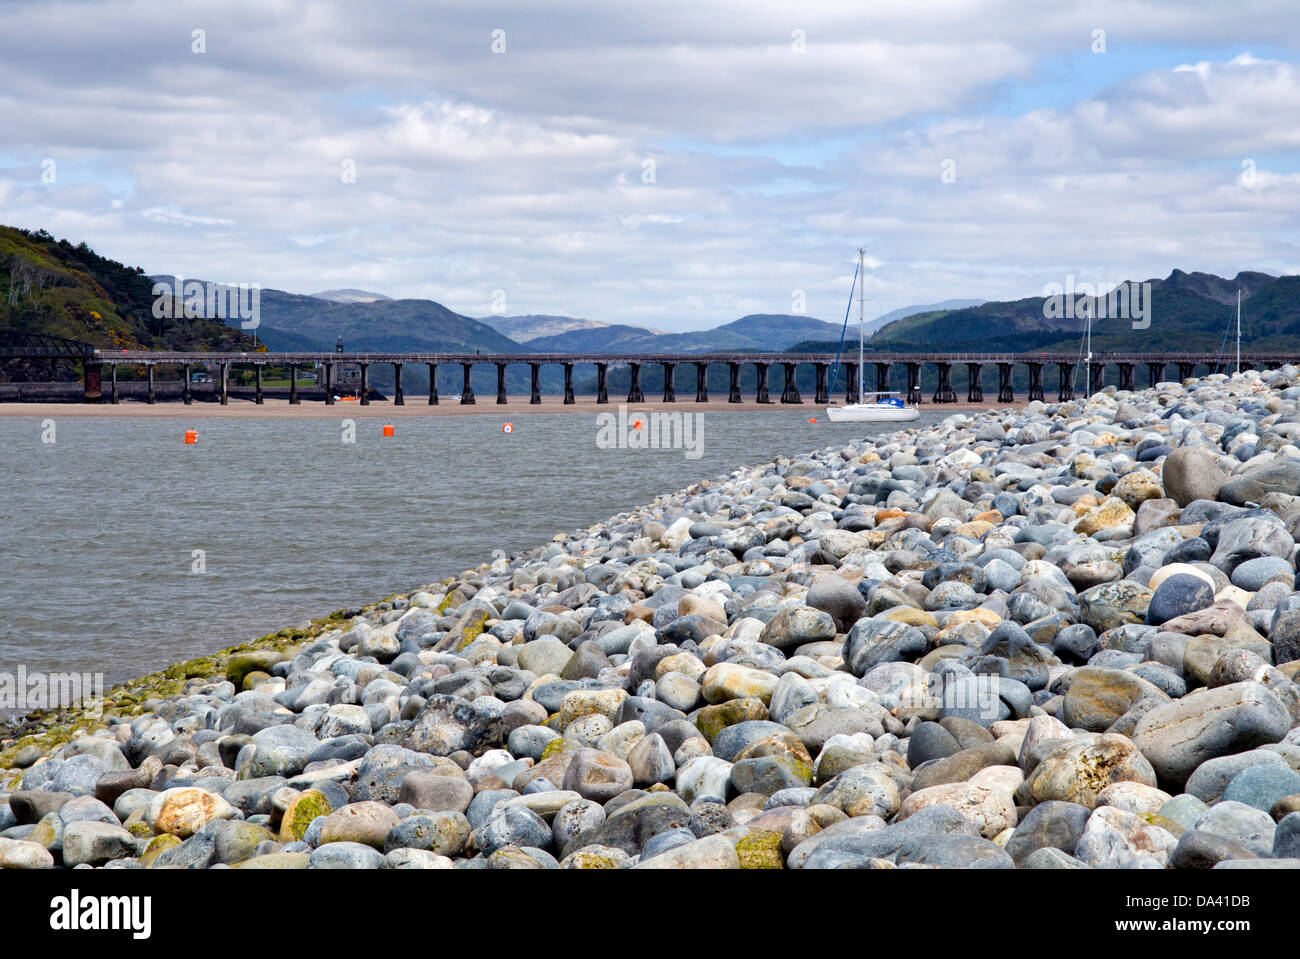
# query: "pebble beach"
x,y
1059,636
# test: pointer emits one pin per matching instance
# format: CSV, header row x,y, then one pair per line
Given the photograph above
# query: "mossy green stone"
x,y
583,859
714,719
1164,822
240,665
238,841
761,850
557,746
471,627
305,807
157,846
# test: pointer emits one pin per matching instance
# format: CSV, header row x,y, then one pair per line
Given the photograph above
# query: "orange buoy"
x,y
813,420
508,428
636,425
191,436
389,430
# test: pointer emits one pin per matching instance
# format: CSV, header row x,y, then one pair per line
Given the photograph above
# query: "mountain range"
x,y
1187,312
871,326
295,322
52,286
350,296
525,329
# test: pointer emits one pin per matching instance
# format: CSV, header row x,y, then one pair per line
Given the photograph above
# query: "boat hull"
x,y
871,413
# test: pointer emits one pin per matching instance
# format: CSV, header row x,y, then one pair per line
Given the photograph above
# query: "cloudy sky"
x,y
675,164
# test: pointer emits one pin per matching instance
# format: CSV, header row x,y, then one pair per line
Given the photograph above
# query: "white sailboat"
x,y
875,407
887,408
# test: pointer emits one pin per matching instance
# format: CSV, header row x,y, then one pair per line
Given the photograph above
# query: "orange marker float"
x,y
389,430
191,436
508,428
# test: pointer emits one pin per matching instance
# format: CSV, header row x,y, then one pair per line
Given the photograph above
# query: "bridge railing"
x,y
18,344
269,358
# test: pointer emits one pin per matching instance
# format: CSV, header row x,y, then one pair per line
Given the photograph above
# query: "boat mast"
x,y
1087,363
862,306
1238,329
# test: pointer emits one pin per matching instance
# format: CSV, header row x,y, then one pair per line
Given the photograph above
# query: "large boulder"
x,y
1097,697
874,641
989,809
838,597
1077,772
1190,473
853,842
1179,735
1117,839
448,724
1279,476
1250,537
795,626
185,810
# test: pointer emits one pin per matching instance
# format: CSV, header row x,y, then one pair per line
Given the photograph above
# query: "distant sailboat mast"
x,y
1087,363
1238,329
862,306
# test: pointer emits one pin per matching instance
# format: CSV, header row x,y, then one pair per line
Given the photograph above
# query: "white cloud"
x,y
178,218
524,171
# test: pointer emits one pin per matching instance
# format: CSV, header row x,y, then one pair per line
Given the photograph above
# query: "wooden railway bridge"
x,y
93,361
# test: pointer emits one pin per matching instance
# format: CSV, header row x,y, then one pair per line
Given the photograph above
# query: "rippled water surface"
x,y
98,530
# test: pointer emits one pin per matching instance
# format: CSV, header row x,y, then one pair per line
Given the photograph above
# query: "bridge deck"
x,y
278,359
16,345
